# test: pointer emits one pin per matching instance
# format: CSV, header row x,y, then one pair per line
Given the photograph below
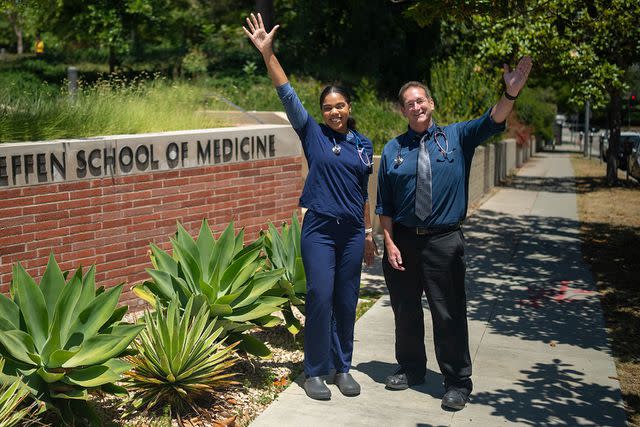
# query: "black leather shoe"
x,y
316,388
347,385
402,381
454,399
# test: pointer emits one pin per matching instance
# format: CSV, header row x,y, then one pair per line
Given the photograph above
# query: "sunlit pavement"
x,y
537,334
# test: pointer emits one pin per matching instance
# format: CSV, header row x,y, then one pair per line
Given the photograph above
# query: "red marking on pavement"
x,y
563,293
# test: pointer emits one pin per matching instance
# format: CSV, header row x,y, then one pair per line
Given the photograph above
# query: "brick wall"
x,y
110,221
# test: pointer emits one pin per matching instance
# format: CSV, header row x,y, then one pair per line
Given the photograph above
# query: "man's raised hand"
x,y
515,80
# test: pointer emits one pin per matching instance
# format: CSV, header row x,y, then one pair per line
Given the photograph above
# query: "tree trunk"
x,y
615,120
265,8
19,44
14,20
112,60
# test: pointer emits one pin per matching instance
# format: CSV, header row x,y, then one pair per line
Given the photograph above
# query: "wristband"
x,y
509,97
368,230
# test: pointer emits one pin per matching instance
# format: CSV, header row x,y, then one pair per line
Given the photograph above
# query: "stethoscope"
x,y
364,157
443,150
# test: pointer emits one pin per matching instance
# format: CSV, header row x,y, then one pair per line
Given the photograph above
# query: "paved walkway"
x,y
537,335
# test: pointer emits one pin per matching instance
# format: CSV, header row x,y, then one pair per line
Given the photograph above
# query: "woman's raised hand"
x,y
262,40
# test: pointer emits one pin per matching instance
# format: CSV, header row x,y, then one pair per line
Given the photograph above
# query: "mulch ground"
x,y
610,229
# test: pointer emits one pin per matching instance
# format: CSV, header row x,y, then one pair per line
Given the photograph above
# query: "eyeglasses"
x,y
410,105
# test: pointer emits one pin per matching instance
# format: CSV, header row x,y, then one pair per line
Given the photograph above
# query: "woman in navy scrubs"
x,y
336,232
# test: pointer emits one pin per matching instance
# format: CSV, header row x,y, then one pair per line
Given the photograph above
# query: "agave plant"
x,y
283,251
64,337
179,360
12,394
231,279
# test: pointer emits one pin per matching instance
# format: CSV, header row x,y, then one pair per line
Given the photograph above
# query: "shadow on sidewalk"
x,y
379,371
554,393
527,279
567,184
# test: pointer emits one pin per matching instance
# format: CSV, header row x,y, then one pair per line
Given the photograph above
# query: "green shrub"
x,y
231,279
462,90
64,338
179,360
108,107
536,108
283,251
194,63
13,392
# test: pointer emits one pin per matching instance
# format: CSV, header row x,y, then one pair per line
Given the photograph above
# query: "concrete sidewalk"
x,y
537,336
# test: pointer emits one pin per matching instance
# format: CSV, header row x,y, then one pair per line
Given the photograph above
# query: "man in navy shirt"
x,y
423,185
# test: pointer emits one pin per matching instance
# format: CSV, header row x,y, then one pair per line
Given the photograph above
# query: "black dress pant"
x,y
434,264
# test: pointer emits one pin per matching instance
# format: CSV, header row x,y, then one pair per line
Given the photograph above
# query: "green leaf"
x,y
268,321
9,311
101,348
49,377
116,390
94,316
239,271
205,244
143,292
52,285
58,357
116,316
188,264
252,312
70,393
261,283
254,346
163,261
92,376
18,344
65,307
88,292
220,309
163,282
293,324
239,242
186,242
223,252
32,306
63,316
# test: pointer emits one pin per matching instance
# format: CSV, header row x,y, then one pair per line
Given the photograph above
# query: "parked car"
x,y
633,160
628,141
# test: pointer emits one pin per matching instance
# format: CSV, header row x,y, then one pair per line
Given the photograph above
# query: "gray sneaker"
x,y
316,388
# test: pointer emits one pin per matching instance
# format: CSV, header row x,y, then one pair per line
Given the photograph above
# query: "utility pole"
x,y
587,141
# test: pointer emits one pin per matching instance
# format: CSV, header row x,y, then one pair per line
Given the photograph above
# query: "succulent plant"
x,y
64,337
283,251
233,280
179,360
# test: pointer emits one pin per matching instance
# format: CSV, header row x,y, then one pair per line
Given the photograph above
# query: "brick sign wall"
x,y
109,215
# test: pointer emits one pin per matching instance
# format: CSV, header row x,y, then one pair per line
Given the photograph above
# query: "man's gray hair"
x,y
408,85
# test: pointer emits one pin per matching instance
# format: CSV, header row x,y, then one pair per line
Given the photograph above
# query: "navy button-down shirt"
x,y
450,172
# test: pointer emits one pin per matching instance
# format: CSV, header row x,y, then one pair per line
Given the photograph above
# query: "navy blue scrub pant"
x,y
435,266
332,254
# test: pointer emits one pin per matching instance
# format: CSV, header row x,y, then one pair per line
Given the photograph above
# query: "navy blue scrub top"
x,y
450,174
336,185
